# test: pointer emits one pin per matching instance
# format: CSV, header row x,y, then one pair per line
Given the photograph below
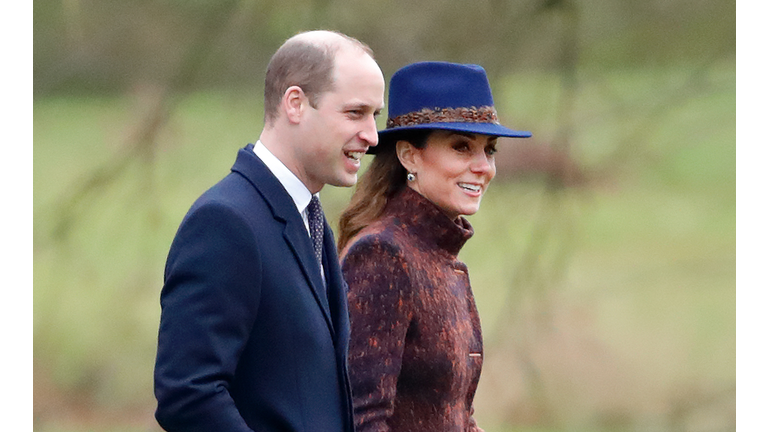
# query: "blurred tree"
x,y
166,49
110,46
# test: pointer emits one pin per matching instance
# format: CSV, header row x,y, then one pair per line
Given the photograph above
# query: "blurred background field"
x,y
604,255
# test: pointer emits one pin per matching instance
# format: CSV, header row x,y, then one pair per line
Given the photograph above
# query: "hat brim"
x,y
491,129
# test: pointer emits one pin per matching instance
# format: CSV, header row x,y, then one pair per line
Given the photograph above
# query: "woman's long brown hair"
x,y
384,178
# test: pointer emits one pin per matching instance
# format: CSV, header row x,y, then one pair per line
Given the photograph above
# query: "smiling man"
x,y
254,328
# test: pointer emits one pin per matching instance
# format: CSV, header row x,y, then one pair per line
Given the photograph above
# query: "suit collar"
x,y
295,188
284,210
256,172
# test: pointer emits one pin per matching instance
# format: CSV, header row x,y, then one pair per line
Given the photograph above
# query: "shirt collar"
x,y
296,189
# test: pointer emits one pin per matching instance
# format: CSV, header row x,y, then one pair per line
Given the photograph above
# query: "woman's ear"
x,y
293,103
408,156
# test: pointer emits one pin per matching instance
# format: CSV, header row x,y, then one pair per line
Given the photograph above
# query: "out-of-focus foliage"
x,y
603,260
109,45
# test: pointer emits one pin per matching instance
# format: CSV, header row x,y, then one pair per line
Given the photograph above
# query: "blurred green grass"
x,y
605,306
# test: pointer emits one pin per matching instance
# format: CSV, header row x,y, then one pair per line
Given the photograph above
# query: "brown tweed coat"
x,y
416,347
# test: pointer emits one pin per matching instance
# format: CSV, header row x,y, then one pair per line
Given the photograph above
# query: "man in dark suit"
x,y
254,326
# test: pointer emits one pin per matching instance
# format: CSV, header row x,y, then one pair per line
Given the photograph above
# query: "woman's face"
x,y
453,170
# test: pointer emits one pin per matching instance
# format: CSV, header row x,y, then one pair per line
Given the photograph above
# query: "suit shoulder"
x,y
233,195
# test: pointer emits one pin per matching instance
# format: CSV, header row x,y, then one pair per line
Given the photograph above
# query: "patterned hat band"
x,y
484,114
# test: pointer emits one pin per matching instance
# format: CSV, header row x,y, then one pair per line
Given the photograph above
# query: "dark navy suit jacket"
x,y
249,339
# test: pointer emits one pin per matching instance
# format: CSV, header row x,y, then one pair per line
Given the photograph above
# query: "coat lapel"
x,y
337,289
283,209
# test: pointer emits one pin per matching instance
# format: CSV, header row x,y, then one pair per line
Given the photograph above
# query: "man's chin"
x,y
346,181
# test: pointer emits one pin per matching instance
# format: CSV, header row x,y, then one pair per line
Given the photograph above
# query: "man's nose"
x,y
369,134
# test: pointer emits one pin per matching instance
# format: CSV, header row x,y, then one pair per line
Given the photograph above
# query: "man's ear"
x,y
293,103
408,155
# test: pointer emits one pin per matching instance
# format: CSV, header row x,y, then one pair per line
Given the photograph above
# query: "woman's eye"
x,y
491,151
462,147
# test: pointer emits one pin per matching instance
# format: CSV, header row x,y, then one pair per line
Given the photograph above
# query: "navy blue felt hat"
x,y
442,95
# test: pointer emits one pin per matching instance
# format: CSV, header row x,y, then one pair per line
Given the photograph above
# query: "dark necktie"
x,y
315,218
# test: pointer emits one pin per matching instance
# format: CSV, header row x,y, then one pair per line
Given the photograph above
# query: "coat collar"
x,y
292,184
426,221
284,210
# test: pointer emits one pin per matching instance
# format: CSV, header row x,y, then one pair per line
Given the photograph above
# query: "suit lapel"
x,y
283,209
299,242
337,297
337,292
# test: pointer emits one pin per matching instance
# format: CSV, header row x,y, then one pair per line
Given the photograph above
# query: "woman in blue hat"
x,y
416,347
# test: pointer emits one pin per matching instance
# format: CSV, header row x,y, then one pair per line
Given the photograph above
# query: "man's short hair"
x,y
306,63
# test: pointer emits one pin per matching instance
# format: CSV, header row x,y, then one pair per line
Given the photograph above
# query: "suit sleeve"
x,y
209,302
380,307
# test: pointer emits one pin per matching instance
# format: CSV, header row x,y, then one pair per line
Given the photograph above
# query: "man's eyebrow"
x,y
356,105
363,105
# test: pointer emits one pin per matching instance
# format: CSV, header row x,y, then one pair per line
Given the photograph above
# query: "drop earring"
x,y
411,177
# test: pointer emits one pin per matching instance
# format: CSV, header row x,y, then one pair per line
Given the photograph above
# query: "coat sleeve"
x,y
473,427
209,302
380,305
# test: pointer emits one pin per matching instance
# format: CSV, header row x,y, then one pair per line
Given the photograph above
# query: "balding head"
x,y
305,60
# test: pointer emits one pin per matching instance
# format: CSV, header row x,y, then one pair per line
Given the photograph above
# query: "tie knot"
x,y
314,205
